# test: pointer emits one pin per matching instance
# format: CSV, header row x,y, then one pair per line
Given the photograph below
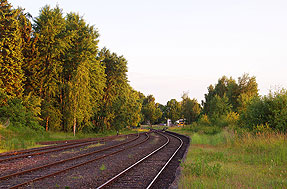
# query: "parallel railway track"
x,y
134,175
49,149
146,164
19,179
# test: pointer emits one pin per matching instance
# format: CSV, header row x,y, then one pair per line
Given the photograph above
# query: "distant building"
x,y
168,123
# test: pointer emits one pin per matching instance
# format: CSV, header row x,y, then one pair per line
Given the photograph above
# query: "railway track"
x,y
25,177
49,149
144,161
145,172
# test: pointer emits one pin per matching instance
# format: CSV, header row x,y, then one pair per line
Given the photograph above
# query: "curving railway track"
x,y
145,172
138,161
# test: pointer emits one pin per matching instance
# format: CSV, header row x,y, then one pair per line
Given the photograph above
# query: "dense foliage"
x,y
238,105
54,76
11,58
266,113
150,110
232,104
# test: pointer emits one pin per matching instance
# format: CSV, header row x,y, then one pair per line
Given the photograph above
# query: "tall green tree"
x,y
80,70
163,118
248,89
53,41
127,109
30,53
173,110
116,83
190,109
208,97
134,107
11,58
150,110
238,93
219,106
222,86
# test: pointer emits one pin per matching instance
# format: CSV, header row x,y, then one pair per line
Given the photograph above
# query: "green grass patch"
x,y
103,167
231,160
216,139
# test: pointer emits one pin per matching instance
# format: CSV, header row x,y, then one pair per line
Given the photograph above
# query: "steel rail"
x,y
181,143
42,148
59,146
78,165
49,151
65,160
133,165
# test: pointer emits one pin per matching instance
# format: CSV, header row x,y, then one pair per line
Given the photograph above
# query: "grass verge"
x,y
230,160
24,138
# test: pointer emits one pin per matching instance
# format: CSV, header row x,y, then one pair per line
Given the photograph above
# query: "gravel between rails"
x,y
167,178
57,145
93,174
97,172
142,174
10,167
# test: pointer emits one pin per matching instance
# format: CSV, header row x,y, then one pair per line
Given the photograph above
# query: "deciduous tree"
x,y
150,110
190,109
80,70
173,110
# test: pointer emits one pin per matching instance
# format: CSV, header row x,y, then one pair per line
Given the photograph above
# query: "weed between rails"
x,y
103,167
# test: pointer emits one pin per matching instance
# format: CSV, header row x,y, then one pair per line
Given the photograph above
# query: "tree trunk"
x,y
74,127
47,123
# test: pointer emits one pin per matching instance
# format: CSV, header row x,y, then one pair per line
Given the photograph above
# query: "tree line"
x,y
54,76
235,104
238,104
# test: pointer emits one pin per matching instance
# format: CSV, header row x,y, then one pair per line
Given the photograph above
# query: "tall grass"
x,y
219,138
235,160
20,138
261,147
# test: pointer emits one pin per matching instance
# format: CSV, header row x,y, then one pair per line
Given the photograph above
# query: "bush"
x,y
204,120
269,110
232,118
14,112
228,120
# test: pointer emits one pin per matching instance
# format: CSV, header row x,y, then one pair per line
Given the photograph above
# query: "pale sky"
x,y
186,45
